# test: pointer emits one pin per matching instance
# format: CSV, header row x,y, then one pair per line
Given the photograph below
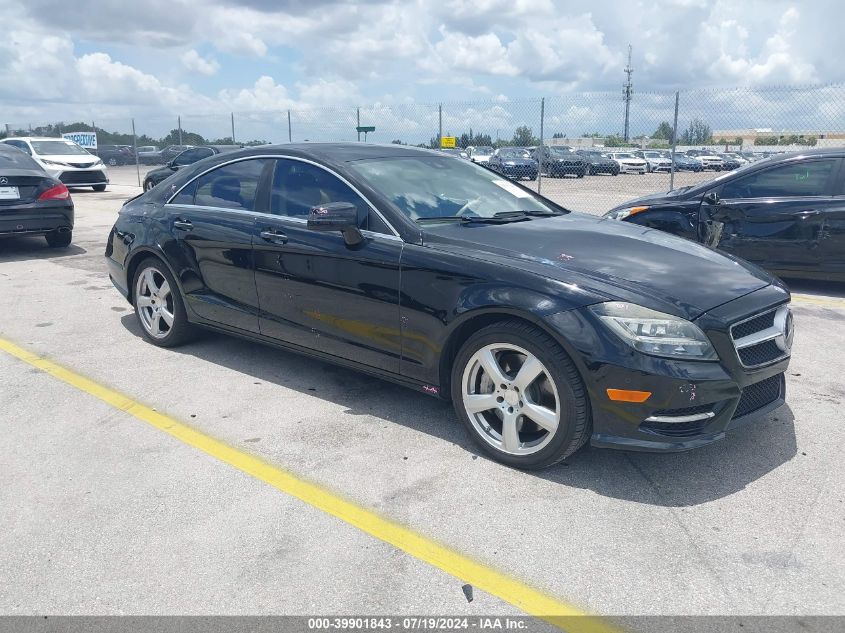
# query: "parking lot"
x,y
107,513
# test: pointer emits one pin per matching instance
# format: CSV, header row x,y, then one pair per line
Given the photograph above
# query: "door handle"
x,y
184,225
276,237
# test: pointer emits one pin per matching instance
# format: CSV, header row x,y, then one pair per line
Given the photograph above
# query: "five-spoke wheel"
x,y
158,305
520,396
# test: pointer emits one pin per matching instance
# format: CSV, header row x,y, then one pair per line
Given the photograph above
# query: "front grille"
x,y
79,165
93,176
752,326
761,354
756,396
755,338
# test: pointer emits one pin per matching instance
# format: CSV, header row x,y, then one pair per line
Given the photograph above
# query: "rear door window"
x,y
232,186
797,180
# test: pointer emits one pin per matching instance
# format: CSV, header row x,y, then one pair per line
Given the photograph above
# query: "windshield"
x,y
624,156
432,187
483,150
57,148
513,152
561,150
653,154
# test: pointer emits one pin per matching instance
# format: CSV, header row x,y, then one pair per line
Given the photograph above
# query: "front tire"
x,y
520,396
159,307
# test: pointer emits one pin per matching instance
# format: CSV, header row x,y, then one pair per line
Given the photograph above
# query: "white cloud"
x,y
195,62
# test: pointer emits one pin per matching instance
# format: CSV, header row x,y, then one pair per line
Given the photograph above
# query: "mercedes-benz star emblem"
x,y
783,322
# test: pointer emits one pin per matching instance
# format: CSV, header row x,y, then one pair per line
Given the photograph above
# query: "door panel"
x,y
218,277
316,291
212,221
775,217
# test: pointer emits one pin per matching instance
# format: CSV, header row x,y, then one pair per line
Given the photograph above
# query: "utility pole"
x,y
439,126
179,123
233,128
290,138
358,124
626,92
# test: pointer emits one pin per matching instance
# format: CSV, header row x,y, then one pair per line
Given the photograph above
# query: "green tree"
x,y
615,140
698,133
524,137
664,131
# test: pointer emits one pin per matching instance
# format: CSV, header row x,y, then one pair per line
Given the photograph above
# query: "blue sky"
x,y
203,59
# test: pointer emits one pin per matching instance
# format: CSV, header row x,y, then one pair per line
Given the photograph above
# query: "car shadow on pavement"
x,y
676,479
27,248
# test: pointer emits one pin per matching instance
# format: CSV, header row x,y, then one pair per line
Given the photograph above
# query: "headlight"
x,y
99,163
655,333
621,214
510,162
53,162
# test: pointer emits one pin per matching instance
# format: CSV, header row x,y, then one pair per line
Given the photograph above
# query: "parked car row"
x,y
557,161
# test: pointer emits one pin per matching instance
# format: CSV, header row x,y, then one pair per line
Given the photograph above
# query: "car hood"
x,y
609,260
76,159
638,161
518,161
664,197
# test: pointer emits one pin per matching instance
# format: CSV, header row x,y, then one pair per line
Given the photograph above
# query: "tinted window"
x,y
20,145
14,159
186,196
232,186
190,156
807,178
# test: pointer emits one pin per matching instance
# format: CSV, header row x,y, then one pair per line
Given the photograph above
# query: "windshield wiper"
x,y
502,217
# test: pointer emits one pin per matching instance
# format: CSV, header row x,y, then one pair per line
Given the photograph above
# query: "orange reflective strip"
x,y
626,395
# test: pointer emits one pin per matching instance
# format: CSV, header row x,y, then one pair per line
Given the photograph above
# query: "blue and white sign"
x,y
87,140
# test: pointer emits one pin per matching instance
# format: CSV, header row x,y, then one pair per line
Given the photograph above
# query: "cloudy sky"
x,y
153,59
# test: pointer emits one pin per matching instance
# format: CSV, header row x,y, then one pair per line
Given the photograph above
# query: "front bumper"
x,y
632,169
519,171
564,168
691,403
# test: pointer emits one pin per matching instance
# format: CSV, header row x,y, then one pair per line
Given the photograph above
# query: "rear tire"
x,y
158,304
533,422
59,240
99,187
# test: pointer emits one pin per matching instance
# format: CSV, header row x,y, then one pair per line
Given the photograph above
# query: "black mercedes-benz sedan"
x,y
547,329
785,213
31,201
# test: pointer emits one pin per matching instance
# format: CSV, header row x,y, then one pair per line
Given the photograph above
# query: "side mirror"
x,y
337,216
711,198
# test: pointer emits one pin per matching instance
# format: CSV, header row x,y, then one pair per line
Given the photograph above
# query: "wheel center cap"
x,y
512,397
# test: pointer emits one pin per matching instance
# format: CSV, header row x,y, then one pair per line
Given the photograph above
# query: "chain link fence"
x,y
734,125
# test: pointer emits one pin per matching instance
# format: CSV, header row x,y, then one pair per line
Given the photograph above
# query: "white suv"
x,y
64,160
707,158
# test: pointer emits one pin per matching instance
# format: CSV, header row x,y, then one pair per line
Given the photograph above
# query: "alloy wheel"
x,y
510,399
154,302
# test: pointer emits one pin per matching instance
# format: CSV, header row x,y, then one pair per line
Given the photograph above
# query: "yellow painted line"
x,y
515,592
830,302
